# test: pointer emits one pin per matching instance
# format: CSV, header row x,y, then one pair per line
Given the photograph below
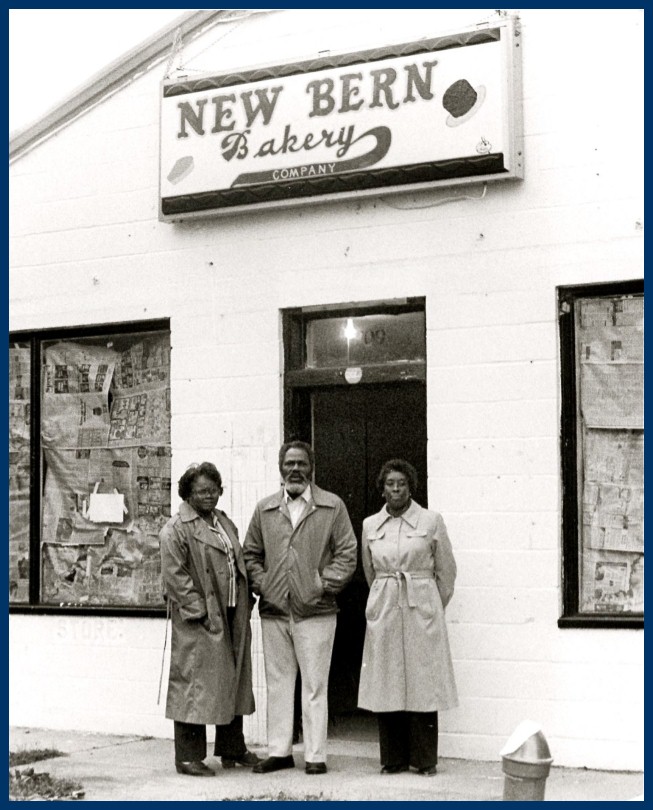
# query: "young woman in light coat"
x,y
407,674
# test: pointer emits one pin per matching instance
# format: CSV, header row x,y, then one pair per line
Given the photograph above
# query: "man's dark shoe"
x,y
394,768
193,768
248,760
315,767
274,764
430,771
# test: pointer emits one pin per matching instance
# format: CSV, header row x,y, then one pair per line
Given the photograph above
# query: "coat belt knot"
x,y
408,577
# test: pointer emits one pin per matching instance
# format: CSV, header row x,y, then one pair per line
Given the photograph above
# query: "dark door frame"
x,y
298,380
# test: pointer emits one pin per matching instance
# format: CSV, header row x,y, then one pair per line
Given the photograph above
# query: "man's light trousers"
x,y
306,644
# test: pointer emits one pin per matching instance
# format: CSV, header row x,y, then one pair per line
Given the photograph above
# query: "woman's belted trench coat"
x,y
409,564
210,677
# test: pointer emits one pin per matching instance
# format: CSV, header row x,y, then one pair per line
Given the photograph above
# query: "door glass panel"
x,y
365,340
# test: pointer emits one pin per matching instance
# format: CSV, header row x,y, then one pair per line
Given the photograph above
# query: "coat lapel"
x,y
278,502
230,530
204,534
201,531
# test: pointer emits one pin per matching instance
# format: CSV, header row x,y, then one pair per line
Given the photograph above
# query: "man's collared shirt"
x,y
297,505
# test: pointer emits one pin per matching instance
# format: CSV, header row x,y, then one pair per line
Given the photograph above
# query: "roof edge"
x,y
113,76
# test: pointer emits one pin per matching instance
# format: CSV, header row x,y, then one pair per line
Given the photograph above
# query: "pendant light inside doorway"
x,y
352,374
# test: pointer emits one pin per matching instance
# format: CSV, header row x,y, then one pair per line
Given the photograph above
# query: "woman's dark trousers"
x,y
408,738
190,741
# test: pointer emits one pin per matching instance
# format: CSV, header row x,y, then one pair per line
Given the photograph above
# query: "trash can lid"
x,y
527,743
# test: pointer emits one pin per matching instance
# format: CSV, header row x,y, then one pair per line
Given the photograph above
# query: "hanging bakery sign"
x,y
437,111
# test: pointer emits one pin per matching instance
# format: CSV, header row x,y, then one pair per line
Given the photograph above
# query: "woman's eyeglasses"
x,y
205,492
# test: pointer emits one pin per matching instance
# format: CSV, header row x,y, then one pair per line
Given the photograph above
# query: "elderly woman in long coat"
x,y
210,662
407,674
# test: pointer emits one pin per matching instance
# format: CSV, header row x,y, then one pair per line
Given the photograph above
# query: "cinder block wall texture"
x,y
86,248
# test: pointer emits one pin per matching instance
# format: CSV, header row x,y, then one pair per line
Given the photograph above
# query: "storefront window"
x,y
104,449
606,575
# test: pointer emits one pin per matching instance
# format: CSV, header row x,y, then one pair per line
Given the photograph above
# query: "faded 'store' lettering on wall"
x,y
419,117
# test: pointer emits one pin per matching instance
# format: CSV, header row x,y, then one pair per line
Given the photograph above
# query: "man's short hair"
x,y
296,445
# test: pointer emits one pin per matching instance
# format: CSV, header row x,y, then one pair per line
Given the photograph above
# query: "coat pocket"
x,y
305,585
375,602
427,598
273,597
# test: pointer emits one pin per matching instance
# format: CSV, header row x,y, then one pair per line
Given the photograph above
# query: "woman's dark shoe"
x,y
394,768
248,760
193,768
274,764
430,771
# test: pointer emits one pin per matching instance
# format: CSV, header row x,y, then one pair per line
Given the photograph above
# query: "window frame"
x,y
571,539
35,339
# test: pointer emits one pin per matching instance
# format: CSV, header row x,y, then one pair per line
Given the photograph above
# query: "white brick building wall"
x,y
87,248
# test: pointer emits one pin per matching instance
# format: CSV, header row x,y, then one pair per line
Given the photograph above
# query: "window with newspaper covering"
x,y
19,470
602,342
86,511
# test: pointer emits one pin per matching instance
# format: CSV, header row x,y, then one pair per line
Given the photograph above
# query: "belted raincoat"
x,y
210,675
409,565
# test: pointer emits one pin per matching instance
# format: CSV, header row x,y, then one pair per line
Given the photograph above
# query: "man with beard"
x,y
300,551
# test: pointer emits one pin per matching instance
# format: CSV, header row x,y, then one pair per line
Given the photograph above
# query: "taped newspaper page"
x,y
19,395
613,490
126,570
75,401
145,364
612,395
142,417
19,472
140,412
613,517
615,456
611,333
75,421
612,582
75,368
618,311
85,562
19,515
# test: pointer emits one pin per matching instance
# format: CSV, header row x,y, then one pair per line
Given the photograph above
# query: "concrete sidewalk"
x,y
117,768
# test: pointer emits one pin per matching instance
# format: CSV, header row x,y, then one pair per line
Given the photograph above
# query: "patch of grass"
x,y
25,786
17,758
281,796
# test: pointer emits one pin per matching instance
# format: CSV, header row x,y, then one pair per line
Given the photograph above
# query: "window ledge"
x,y
127,611
634,621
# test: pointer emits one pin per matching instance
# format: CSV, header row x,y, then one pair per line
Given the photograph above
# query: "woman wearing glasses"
x,y
210,663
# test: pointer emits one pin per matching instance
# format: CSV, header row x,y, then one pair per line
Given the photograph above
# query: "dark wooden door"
x,y
355,430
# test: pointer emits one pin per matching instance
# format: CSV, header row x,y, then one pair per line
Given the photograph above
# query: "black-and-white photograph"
x,y
326,405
